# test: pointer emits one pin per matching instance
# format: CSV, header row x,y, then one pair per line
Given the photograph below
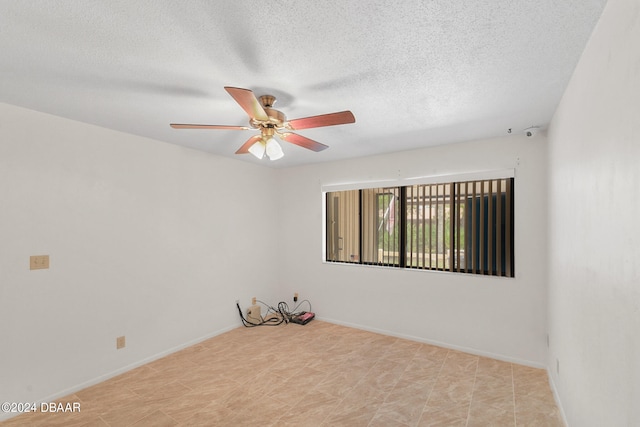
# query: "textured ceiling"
x,y
414,73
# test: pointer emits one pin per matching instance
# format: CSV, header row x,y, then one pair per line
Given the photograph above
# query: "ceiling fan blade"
x,y
341,118
248,102
189,126
245,147
303,141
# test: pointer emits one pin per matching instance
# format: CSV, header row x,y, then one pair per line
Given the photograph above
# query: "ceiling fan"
x,y
272,123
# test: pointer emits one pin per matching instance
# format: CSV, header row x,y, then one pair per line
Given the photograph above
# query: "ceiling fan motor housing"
x,y
267,100
276,118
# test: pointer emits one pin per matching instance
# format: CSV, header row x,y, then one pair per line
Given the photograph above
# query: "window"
x,y
464,227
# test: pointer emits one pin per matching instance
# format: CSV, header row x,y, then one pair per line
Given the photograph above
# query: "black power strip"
x,y
303,318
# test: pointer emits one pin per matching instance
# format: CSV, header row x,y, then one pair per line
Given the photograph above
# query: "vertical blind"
x,y
464,227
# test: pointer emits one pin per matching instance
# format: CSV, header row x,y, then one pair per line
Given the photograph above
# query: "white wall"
x,y
594,243
504,318
146,239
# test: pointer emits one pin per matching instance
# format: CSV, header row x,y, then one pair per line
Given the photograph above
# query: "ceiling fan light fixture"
x,y
274,151
258,149
263,117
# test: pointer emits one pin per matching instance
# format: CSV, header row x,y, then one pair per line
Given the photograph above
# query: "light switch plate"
x,y
38,262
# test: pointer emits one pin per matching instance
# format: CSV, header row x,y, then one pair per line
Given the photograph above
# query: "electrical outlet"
x,y
295,297
120,342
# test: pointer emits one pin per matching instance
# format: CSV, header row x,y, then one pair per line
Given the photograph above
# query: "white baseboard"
x,y
70,390
556,397
440,344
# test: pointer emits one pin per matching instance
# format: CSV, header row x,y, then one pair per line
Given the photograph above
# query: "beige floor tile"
x,y
431,352
458,363
311,410
186,406
418,370
494,391
537,412
352,417
73,421
383,375
127,413
494,368
156,419
455,416
296,388
451,391
405,403
502,401
384,420
358,407
486,416
214,414
320,374
401,351
339,383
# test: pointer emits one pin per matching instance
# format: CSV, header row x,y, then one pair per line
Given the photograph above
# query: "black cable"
x,y
282,313
283,309
288,314
245,322
276,311
269,308
295,310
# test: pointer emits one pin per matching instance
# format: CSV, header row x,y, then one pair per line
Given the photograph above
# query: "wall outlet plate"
x,y
38,262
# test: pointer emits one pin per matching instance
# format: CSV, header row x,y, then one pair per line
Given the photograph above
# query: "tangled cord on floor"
x,y
274,316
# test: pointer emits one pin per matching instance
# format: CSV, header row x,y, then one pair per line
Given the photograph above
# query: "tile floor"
x,y
319,374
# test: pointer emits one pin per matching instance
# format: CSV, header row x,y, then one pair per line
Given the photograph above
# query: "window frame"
x,y
403,184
